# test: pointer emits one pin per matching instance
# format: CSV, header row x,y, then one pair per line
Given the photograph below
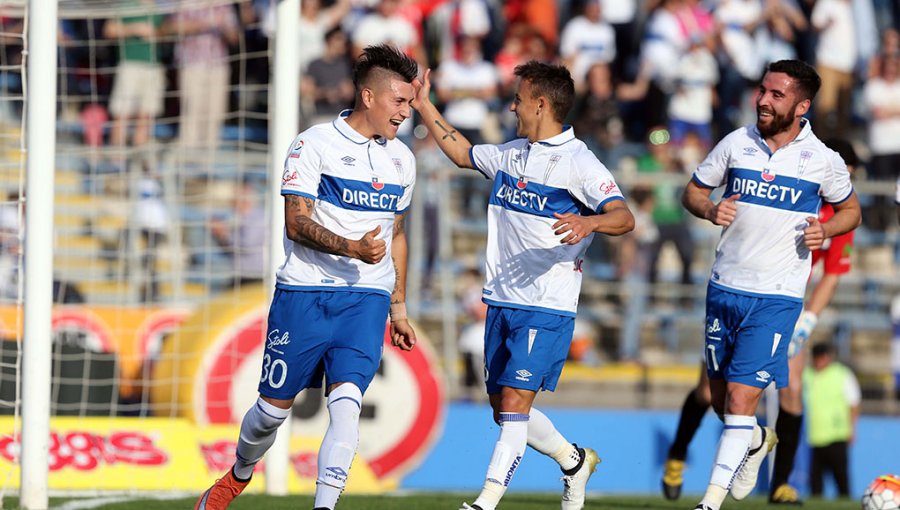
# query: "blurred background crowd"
x,y
164,116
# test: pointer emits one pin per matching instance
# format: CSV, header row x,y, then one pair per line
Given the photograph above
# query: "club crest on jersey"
x,y
398,164
805,156
767,175
295,150
376,184
522,183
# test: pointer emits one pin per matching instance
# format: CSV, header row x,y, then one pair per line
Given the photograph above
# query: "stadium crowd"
x,y
658,83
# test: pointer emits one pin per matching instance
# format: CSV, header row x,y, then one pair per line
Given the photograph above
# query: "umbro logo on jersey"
x,y
523,375
750,151
377,185
767,175
348,160
763,376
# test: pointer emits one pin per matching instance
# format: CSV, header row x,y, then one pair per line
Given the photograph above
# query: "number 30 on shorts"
x,y
272,369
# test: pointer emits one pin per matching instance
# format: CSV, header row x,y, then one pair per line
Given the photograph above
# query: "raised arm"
x,y
454,145
302,229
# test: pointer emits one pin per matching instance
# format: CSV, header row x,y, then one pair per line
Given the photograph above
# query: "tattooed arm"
x,y
454,145
402,334
302,229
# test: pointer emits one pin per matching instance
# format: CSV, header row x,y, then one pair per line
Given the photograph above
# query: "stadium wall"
x,y
632,446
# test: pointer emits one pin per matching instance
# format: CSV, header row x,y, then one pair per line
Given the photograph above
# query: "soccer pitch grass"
x,y
436,501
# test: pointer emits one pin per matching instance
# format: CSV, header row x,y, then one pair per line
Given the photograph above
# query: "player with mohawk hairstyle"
x,y
347,186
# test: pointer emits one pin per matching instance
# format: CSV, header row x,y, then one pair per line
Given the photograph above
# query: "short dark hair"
x,y
821,349
804,75
551,81
386,57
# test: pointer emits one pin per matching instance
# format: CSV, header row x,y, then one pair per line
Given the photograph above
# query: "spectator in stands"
x,y
152,221
316,22
623,16
596,116
245,238
882,99
469,87
587,39
455,21
203,36
691,105
832,405
836,55
327,84
387,25
669,216
541,15
737,22
890,48
140,81
433,172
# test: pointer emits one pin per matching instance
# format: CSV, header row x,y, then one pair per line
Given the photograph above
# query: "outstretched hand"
x,y
724,212
422,88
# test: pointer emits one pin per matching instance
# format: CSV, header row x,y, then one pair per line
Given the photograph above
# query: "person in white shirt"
x,y
776,175
836,55
550,196
882,99
586,40
347,186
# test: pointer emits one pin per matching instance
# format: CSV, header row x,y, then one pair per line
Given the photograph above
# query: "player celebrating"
x,y
835,257
776,175
347,185
550,195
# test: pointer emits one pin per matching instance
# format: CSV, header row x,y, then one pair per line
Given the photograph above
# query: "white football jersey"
x,y
762,252
526,265
358,183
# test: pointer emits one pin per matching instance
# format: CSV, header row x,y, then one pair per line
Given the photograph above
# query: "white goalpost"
x,y
40,143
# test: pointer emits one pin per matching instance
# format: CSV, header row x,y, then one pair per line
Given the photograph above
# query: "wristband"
x,y
398,312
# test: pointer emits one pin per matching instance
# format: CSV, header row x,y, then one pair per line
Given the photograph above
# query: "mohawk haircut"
x,y
387,58
806,77
551,81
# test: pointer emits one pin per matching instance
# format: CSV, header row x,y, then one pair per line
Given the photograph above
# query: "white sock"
x,y
257,435
543,437
733,448
339,444
507,456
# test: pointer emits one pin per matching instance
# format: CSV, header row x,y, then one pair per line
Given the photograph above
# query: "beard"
x,y
777,123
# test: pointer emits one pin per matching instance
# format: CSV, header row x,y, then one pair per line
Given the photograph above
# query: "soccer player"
x,y
550,196
776,174
835,257
347,185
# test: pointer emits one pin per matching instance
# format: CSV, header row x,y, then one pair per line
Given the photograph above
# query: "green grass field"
x,y
514,501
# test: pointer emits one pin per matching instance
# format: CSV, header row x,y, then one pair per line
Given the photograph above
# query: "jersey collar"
x,y
348,132
567,135
805,131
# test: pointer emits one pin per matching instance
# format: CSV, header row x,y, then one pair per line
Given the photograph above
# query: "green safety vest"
x,y
827,409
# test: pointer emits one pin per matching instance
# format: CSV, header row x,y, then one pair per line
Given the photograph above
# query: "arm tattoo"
x,y
447,133
399,225
311,234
